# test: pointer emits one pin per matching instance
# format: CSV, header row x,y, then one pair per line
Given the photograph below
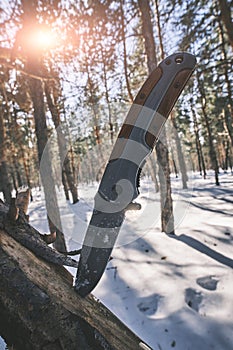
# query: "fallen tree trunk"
x,y
39,308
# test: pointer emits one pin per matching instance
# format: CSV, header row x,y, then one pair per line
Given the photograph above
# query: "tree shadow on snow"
x,y
204,249
210,209
212,191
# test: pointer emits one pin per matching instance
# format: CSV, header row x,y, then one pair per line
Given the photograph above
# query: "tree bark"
x,y
200,156
33,63
39,307
152,168
147,32
167,219
65,185
123,29
36,91
159,27
66,166
226,18
180,154
228,111
212,151
4,174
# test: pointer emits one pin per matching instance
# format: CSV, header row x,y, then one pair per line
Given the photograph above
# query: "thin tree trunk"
x,y
18,154
177,139
5,183
183,168
106,92
90,169
162,53
212,152
228,142
66,163
65,185
14,180
152,167
228,116
174,163
226,158
147,32
167,219
96,127
17,172
125,51
26,169
201,161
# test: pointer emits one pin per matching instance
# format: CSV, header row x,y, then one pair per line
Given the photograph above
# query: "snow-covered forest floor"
x,y
173,291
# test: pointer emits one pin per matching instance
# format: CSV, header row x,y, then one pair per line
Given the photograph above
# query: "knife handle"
x,y
141,130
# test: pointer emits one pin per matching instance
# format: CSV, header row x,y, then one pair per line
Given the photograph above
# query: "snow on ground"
x,y
173,291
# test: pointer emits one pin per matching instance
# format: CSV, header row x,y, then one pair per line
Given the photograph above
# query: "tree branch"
x,y
40,309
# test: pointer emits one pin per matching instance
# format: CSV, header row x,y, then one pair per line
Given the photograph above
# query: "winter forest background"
x,y
74,67
80,63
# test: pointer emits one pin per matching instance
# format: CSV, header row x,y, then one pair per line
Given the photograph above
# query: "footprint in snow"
x,y
149,305
193,298
208,282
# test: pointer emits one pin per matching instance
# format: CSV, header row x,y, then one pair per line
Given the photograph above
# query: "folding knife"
x,y
119,185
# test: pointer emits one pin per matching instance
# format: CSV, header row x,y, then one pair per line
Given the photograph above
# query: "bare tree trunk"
x,y
226,18
18,154
177,139
152,167
147,32
162,53
37,95
65,185
5,183
67,164
18,179
212,152
93,102
201,161
106,92
182,165
123,29
167,219
26,169
228,116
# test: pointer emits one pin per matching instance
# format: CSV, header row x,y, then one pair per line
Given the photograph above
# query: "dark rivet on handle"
x,y
142,96
168,62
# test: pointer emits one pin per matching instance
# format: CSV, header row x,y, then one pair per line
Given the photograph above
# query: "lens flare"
x,y
45,39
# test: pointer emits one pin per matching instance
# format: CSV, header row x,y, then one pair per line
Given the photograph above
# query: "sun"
x,y
44,39
39,38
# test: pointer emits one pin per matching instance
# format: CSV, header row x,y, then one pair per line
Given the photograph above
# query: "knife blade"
x,y
119,186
